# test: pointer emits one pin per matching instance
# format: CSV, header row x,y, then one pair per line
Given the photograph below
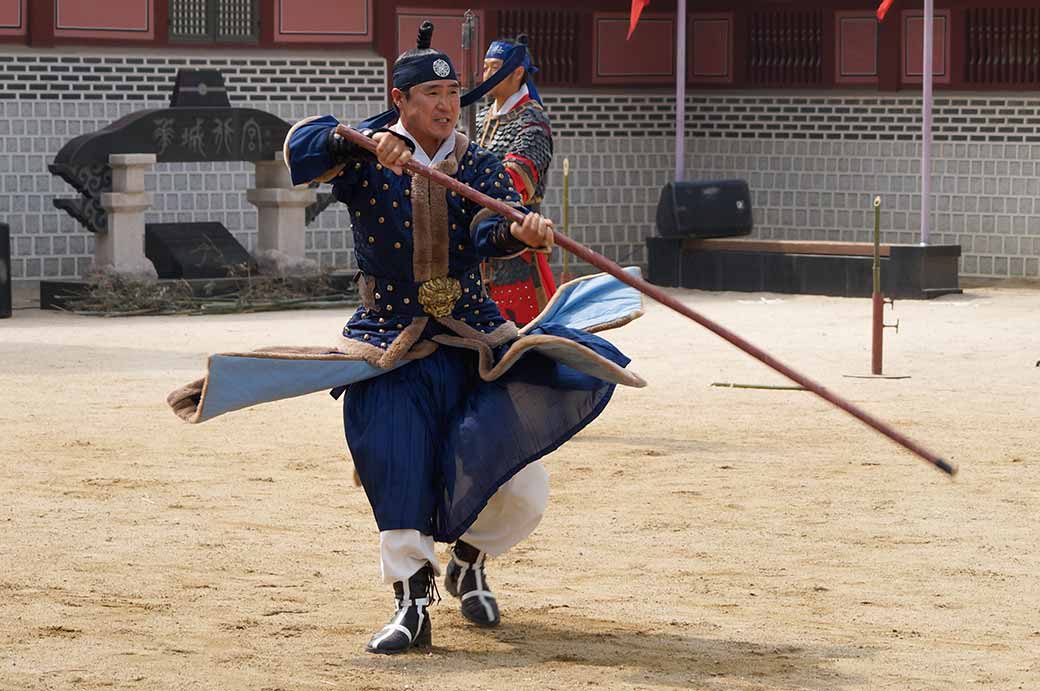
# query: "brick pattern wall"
x,y
814,164
47,243
32,77
615,184
69,95
776,116
813,160
984,195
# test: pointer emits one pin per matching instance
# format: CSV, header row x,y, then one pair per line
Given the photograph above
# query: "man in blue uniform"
x,y
445,442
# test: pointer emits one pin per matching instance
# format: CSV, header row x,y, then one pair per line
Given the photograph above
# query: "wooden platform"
x,y
852,249
807,267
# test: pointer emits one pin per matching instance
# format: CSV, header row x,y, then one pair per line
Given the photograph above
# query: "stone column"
x,y
281,219
121,249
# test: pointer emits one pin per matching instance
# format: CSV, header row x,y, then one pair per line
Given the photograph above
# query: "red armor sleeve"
x,y
532,169
518,184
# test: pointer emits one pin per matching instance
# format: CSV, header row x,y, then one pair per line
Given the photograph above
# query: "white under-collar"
x,y
420,155
510,102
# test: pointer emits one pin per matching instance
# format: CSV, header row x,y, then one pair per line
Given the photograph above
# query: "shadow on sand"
x,y
551,639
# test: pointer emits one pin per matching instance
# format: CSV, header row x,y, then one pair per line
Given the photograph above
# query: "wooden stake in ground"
x,y
565,275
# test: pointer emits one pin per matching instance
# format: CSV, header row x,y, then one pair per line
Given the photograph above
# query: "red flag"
x,y
883,9
637,9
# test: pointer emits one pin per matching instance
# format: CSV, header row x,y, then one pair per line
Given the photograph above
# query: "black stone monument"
x,y
199,126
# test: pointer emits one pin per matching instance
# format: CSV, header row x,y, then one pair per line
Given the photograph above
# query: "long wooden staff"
x,y
654,292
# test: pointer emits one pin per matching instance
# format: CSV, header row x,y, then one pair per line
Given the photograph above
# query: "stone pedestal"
x,y
121,248
281,218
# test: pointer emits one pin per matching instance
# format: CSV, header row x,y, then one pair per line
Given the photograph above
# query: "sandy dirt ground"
x,y
697,537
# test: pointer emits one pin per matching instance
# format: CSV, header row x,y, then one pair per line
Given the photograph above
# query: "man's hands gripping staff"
x,y
536,232
392,151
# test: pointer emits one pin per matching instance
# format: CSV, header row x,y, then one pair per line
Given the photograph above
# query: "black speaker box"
x,y
5,271
715,209
195,250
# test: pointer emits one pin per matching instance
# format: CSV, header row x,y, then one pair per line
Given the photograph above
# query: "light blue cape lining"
x,y
239,380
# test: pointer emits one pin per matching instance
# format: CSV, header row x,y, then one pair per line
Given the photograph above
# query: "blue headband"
x,y
514,55
418,69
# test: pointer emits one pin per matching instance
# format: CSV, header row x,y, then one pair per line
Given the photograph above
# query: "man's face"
x,y
509,85
431,109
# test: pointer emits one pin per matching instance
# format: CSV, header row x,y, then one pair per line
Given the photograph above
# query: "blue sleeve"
x,y
306,151
492,237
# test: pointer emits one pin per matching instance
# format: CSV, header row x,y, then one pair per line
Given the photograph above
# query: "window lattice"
x,y
1003,46
786,47
236,20
189,19
554,41
218,21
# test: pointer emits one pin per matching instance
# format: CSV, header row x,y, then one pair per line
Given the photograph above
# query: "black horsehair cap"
x,y
422,63
422,43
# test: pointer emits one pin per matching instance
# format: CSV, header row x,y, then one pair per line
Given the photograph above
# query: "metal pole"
x,y
680,93
926,120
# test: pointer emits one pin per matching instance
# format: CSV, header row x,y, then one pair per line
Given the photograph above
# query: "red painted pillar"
x,y
830,48
268,20
384,37
41,23
741,42
586,57
162,22
889,49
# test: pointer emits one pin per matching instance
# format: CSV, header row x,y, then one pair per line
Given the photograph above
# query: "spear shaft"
x,y
659,295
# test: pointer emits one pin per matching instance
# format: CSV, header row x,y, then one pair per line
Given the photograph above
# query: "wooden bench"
x,y
811,267
819,247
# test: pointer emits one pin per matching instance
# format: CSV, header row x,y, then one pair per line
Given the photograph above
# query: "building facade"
x,y
815,103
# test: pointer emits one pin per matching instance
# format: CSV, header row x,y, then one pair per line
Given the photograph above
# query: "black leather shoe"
x,y
410,627
466,580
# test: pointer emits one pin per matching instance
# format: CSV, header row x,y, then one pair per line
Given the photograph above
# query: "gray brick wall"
x,y
984,194
777,115
814,164
615,184
813,160
40,114
47,243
